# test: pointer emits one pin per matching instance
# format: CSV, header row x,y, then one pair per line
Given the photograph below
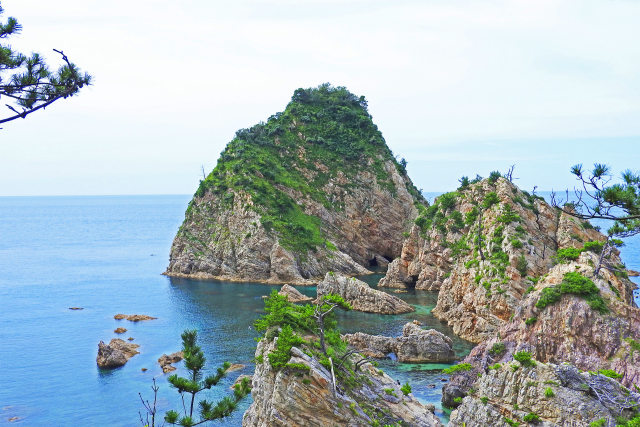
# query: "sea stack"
x,y
312,190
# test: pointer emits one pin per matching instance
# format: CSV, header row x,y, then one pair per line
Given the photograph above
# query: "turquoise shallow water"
x,y
106,254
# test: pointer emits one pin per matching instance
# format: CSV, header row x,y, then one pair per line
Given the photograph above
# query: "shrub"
x,y
490,199
576,284
524,357
457,221
497,349
593,246
484,400
609,373
565,255
282,353
602,422
447,200
516,243
461,367
508,215
493,176
548,393
495,367
406,388
471,216
510,422
390,392
522,265
531,418
457,399
530,321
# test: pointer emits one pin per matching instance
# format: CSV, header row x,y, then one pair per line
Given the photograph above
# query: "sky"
x,y
456,87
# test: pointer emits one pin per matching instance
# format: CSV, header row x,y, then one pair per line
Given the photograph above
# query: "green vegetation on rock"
x,y
576,284
323,133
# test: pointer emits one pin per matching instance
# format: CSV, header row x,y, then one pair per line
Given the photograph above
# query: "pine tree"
x,y
26,83
598,199
194,361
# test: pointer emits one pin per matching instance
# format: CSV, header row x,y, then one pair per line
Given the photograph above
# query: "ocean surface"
x,y
106,254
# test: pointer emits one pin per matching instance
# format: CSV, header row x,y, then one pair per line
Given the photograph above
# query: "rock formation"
x,y
314,189
302,395
573,329
545,394
482,247
361,296
293,295
120,330
416,345
133,317
166,361
115,354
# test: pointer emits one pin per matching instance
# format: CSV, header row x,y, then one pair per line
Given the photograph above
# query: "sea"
x,y
105,254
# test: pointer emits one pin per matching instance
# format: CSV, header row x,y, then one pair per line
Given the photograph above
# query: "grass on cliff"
x,y
289,322
575,284
323,133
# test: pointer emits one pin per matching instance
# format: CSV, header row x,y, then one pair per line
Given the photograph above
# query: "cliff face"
x,y
301,394
593,328
546,394
314,189
482,247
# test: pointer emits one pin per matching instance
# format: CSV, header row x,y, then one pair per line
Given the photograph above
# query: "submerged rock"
x,y
166,360
303,395
76,308
133,317
293,295
115,354
361,296
416,345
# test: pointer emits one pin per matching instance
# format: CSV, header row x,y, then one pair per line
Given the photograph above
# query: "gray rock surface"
x,y
288,398
293,295
361,296
416,345
513,394
115,354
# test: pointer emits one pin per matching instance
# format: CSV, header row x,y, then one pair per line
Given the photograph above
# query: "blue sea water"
x,y
105,254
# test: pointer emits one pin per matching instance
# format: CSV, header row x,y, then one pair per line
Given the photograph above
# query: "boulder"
x,y
416,345
115,354
293,295
166,360
120,330
361,296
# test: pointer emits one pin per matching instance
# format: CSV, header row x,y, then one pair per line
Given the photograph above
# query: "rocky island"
x,y
313,189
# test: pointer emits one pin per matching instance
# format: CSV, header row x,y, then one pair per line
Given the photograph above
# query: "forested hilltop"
x,y
313,189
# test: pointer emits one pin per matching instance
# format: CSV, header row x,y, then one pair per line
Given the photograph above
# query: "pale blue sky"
x,y
457,87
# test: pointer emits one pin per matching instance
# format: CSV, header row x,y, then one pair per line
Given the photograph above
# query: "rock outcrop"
x,y
546,395
361,296
115,354
302,395
314,189
133,317
573,329
482,247
416,345
166,360
292,294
